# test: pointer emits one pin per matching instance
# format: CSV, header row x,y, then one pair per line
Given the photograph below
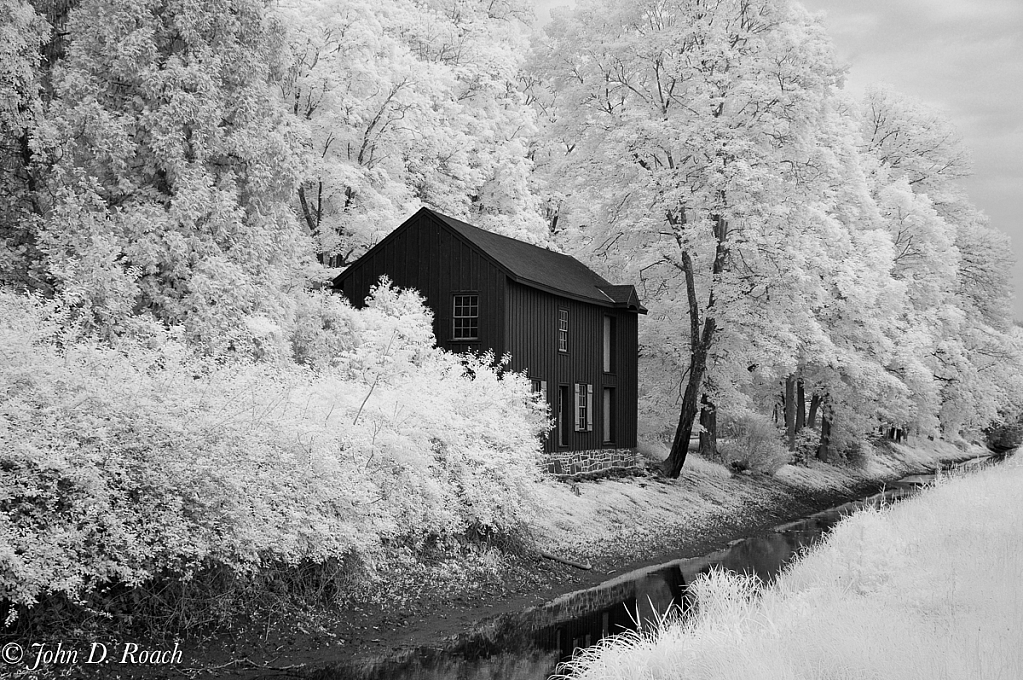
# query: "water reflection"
x,y
586,617
529,645
438,665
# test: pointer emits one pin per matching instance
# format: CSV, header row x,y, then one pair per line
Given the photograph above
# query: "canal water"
x,y
529,645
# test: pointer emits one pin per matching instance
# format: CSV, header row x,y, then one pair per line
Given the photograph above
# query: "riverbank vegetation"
x,y
189,423
641,517
143,480
154,490
927,588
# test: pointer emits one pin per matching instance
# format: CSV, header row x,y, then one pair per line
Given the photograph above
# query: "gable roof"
x,y
545,269
528,265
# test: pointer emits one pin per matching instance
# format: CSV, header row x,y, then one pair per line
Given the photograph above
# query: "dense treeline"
x,y
184,416
178,178
803,254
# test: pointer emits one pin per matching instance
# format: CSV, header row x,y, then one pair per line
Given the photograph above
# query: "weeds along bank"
x,y
140,477
928,588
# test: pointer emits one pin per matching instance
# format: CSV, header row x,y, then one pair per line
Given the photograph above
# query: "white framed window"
x,y
539,387
465,316
583,407
609,344
562,330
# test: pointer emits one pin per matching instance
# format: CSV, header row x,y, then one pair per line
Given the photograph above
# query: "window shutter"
x,y
589,408
578,404
543,389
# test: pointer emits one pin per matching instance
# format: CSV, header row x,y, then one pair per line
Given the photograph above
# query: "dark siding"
x,y
531,323
627,356
426,255
430,258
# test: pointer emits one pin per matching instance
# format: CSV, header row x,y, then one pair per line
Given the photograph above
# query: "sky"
x,y
964,57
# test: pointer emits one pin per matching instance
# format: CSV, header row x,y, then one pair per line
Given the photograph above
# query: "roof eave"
x,y
572,296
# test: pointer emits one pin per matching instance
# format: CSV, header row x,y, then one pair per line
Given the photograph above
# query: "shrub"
x,y
807,442
1006,435
120,466
325,328
751,442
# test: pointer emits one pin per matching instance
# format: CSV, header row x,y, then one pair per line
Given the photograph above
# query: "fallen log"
x,y
563,560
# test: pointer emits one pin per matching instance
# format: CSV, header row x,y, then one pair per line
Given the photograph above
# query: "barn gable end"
x,y
574,334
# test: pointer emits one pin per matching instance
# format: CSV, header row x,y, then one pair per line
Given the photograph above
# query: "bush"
x,y
1004,436
119,466
807,442
752,442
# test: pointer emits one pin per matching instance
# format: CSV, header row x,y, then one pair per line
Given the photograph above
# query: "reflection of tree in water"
x,y
766,555
436,665
657,592
653,594
762,556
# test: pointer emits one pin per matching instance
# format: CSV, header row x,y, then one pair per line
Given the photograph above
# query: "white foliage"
x,y
849,258
119,464
409,104
928,588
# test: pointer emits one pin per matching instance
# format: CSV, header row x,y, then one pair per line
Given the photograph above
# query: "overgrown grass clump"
x,y
929,588
752,442
142,481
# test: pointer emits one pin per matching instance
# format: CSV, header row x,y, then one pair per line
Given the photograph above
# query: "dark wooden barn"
x,y
572,333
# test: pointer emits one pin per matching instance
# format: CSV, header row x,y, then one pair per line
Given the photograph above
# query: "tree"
x,y
675,122
408,103
169,165
23,34
955,267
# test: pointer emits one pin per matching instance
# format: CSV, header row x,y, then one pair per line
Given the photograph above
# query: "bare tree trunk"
x,y
691,397
312,218
699,342
790,411
824,449
709,433
800,405
680,444
815,402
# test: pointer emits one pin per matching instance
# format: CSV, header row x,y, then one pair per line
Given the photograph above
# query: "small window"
x,y
466,317
539,387
608,415
562,330
609,344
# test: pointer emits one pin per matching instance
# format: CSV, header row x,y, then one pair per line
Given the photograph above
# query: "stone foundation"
x,y
595,460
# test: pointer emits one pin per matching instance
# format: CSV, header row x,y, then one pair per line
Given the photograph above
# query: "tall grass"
x,y
930,588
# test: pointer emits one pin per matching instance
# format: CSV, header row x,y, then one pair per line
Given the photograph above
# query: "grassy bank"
x,y
929,588
612,518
